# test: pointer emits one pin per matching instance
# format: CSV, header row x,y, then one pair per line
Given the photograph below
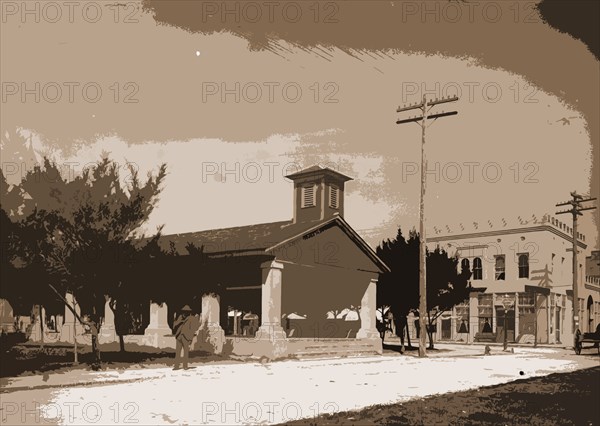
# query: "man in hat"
x,y
184,331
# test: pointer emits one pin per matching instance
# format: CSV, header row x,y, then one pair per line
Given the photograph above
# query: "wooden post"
x,y
424,106
535,321
40,312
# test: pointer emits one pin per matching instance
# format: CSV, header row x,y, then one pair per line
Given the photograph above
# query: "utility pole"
x,y
575,210
425,106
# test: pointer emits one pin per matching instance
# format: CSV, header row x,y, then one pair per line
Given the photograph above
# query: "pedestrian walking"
x,y
184,331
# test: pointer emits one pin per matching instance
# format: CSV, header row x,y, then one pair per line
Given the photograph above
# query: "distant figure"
x,y
487,328
184,331
92,325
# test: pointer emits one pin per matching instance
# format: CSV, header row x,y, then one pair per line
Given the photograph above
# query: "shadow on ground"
x,y
558,399
409,350
21,359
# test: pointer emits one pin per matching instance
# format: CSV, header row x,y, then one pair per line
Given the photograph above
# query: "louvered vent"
x,y
334,196
308,196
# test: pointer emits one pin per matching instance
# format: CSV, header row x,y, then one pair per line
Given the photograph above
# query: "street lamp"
x,y
507,302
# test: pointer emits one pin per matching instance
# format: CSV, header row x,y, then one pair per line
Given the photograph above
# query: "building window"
x,y
334,196
477,269
526,304
465,265
485,313
524,265
308,196
462,317
500,268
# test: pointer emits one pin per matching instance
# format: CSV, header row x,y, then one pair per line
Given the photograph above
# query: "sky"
x,y
230,121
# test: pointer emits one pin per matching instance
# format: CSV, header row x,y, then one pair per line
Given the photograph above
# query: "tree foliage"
x,y
78,234
398,289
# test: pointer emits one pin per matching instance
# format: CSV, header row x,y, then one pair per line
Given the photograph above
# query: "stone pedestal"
x,y
60,321
36,332
108,332
271,338
211,337
158,334
368,309
271,302
7,317
72,327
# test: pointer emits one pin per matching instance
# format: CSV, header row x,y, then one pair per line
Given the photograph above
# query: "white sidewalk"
x,y
252,393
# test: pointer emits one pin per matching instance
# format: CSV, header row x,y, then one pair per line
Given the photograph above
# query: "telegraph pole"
x,y
575,210
425,106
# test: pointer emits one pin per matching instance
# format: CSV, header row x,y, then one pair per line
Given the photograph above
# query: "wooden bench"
x,y
485,337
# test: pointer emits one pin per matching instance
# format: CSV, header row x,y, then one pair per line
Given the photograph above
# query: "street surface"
x,y
250,393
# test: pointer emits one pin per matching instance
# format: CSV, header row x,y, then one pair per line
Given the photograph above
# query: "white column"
x,y
36,333
66,332
108,333
410,318
368,308
271,301
211,336
158,334
158,316
59,323
7,317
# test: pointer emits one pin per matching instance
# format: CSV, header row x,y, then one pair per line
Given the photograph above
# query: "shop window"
x,y
485,310
462,317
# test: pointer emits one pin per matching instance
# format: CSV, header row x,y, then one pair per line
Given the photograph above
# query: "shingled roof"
x,y
237,239
260,238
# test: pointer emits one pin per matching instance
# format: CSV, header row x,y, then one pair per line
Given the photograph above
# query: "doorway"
x,y
446,329
510,324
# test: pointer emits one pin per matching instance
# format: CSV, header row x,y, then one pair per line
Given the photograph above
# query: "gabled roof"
x,y
236,239
344,226
262,238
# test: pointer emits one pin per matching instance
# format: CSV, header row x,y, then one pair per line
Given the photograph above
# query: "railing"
x,y
592,280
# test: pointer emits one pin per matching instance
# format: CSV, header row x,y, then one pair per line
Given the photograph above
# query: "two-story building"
x,y
521,272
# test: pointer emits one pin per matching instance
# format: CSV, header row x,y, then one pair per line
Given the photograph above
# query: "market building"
x,y
305,286
522,277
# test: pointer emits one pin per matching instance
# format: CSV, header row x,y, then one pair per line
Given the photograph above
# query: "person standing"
x,y
91,323
183,329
